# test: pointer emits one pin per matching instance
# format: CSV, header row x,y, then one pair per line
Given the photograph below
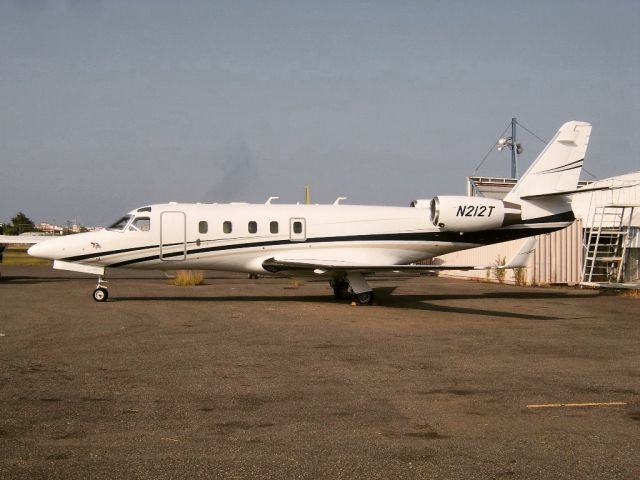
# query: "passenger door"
x,y
173,236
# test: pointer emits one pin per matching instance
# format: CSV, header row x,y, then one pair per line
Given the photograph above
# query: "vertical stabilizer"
x,y
557,168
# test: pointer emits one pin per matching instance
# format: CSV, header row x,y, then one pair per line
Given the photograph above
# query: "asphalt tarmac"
x,y
270,378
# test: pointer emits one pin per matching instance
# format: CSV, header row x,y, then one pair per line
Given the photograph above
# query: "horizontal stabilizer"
x,y
578,190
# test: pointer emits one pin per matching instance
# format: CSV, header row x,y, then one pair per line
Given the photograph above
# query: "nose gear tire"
x,y
100,294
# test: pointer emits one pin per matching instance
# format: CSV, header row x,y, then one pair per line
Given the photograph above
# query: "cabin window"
x,y
142,224
297,227
253,227
226,227
203,227
120,225
273,227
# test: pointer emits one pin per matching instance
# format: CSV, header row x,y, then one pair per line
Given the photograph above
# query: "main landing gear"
x,y
352,284
364,298
341,289
100,294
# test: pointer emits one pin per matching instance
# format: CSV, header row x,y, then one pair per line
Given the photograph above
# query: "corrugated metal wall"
x,y
557,258
632,266
482,256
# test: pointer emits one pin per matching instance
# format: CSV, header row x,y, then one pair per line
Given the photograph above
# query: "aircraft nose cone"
x,y
41,250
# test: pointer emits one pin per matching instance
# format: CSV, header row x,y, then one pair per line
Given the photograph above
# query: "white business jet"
x,y
343,243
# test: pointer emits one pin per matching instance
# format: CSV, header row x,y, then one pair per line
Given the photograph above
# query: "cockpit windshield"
x,y
142,224
121,224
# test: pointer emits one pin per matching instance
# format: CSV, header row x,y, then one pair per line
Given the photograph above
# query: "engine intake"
x,y
472,214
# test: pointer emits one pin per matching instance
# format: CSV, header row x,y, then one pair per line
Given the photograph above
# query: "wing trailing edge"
x,y
282,265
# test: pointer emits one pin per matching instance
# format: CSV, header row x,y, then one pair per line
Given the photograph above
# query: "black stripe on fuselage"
x,y
477,238
486,237
558,217
114,252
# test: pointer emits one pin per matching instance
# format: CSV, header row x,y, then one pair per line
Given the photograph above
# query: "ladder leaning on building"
x,y
606,242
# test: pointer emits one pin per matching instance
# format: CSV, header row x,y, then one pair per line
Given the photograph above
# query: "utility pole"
x,y
514,149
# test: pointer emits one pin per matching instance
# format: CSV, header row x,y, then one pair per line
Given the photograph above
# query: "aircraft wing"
x,y
278,265
23,239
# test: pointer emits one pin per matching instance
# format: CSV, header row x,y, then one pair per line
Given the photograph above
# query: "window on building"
x,y
297,227
203,227
253,227
226,227
273,227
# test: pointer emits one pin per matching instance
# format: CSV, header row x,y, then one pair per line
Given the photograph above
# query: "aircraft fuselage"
x,y
240,237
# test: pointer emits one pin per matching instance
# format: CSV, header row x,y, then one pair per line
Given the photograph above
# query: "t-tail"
x,y
543,191
539,203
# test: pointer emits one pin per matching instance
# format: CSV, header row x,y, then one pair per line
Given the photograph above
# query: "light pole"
x,y
516,148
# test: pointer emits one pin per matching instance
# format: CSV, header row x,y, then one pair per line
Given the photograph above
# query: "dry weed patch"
x,y
188,278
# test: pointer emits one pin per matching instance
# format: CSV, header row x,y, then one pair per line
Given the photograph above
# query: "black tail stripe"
x,y
565,169
576,164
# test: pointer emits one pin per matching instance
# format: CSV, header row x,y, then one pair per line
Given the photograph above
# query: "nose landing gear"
x,y
101,294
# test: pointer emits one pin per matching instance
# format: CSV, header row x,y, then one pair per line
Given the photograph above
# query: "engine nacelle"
x,y
472,214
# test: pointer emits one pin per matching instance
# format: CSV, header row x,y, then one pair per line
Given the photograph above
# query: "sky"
x,y
108,105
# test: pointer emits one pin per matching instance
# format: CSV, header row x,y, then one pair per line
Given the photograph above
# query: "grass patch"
x,y
19,256
188,278
631,293
520,276
499,273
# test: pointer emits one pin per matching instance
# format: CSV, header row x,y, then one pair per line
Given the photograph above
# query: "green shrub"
x,y
499,273
520,275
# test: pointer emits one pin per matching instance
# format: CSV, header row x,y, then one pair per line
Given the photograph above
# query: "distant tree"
x,y
20,223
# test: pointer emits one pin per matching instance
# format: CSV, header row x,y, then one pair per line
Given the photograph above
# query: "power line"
x,y
545,142
530,133
526,129
491,149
